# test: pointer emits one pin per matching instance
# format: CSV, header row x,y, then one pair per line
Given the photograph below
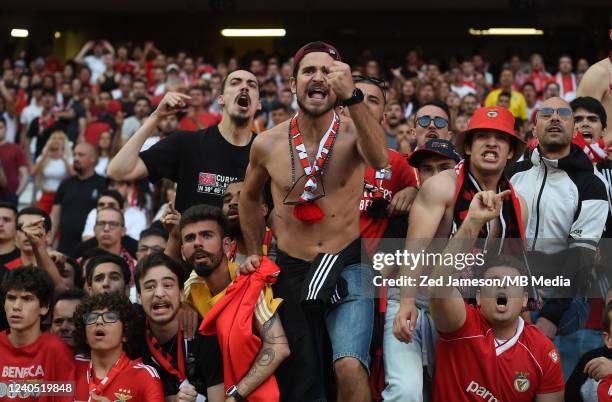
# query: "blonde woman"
x,y
53,166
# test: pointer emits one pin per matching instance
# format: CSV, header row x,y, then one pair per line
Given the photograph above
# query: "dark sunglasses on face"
x,y
562,112
108,317
425,121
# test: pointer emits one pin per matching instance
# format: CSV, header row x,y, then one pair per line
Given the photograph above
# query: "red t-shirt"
x,y
47,359
604,390
206,120
402,176
472,366
12,159
135,383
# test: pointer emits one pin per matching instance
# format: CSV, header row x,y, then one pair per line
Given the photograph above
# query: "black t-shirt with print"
x,y
208,364
202,163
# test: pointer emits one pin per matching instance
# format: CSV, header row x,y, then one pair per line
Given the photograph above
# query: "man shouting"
x,y
316,163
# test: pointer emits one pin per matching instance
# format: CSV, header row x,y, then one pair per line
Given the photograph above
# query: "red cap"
x,y
491,118
314,47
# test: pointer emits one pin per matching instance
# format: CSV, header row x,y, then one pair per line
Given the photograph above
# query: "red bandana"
x,y
164,358
99,386
306,209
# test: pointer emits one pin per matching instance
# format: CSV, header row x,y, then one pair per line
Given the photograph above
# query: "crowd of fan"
x,y
62,123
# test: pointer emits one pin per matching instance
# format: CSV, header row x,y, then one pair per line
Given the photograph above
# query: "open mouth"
x,y
232,213
432,135
99,334
554,129
243,100
490,156
318,94
200,256
587,135
161,307
502,303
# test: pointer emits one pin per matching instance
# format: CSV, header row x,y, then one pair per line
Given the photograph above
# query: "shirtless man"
x,y
439,209
597,83
320,81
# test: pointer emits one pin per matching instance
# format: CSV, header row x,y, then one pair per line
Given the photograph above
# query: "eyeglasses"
x,y
425,121
111,224
150,249
562,112
108,317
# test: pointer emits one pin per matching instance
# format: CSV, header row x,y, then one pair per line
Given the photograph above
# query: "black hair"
x,y
224,82
143,98
527,84
154,231
37,212
3,121
113,194
70,294
591,105
108,258
203,212
78,272
506,94
29,279
9,205
439,104
48,91
116,302
155,260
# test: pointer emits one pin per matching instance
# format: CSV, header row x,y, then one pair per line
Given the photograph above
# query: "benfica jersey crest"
x,y
521,382
123,395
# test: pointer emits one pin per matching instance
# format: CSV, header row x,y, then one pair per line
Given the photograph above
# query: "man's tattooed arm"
x,y
274,349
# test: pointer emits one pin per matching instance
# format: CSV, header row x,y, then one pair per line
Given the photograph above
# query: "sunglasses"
x,y
425,121
108,317
562,112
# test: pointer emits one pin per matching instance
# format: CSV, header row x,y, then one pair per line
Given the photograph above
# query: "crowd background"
x,y
102,93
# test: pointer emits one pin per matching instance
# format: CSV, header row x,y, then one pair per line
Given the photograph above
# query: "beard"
x,y
239,121
313,113
77,167
233,229
204,270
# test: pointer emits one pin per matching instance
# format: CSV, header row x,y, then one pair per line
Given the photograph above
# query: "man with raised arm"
x,y
441,205
316,164
203,162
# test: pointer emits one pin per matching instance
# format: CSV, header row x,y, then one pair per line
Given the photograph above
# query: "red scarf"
x,y
467,187
306,209
231,319
597,151
45,121
165,359
100,386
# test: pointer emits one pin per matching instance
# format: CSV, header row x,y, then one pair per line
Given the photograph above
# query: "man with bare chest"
x,y
597,83
443,201
316,163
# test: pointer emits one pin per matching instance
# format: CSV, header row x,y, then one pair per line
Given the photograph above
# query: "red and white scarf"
x,y
306,210
100,386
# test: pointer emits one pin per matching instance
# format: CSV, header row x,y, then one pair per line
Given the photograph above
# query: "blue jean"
x,y
403,361
350,322
572,339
